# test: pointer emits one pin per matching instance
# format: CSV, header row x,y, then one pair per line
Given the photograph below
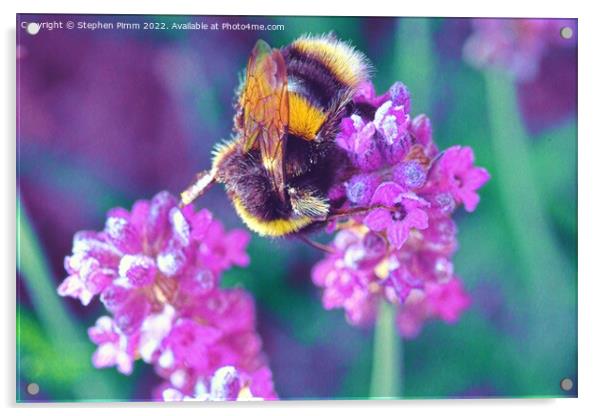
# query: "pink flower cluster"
x,y
226,384
157,271
516,45
398,245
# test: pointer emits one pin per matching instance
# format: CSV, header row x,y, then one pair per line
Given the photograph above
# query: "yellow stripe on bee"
x,y
304,119
348,65
269,228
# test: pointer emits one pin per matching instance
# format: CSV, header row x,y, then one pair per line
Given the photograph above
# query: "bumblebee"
x,y
282,162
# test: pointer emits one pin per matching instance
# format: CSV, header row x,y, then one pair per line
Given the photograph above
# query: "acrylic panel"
x,y
288,208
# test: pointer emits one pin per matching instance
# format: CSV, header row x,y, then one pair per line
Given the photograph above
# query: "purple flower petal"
x,y
200,224
422,129
378,219
172,259
411,174
130,314
417,218
360,188
153,330
398,233
122,234
72,286
180,227
138,270
225,384
460,177
157,226
400,95
387,194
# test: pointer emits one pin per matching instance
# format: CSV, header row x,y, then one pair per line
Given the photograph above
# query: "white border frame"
x,y
590,138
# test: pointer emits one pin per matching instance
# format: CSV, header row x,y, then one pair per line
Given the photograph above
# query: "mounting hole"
x,y
566,384
566,33
33,389
32,28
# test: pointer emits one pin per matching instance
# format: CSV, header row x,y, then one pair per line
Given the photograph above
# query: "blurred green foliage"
x,y
52,348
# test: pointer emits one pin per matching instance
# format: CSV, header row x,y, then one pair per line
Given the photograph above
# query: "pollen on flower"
x,y
157,269
400,248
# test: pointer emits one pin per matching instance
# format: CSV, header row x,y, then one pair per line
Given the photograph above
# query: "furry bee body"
x,y
321,76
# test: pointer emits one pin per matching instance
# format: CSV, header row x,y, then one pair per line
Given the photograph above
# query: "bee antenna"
x,y
435,159
439,155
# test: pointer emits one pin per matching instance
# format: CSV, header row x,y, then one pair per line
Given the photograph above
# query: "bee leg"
x,y
338,214
355,211
203,181
322,247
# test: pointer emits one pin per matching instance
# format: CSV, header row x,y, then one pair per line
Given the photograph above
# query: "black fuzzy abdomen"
x,y
323,165
245,178
310,167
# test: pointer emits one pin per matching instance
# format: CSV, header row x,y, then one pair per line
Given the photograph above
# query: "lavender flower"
x,y
226,384
400,249
392,124
456,174
156,269
410,175
346,276
361,187
356,137
446,302
401,212
114,347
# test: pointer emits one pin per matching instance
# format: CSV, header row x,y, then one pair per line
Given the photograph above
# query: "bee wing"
x,y
265,110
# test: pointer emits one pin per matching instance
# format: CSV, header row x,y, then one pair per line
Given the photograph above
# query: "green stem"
x,y
64,334
40,287
387,363
543,262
